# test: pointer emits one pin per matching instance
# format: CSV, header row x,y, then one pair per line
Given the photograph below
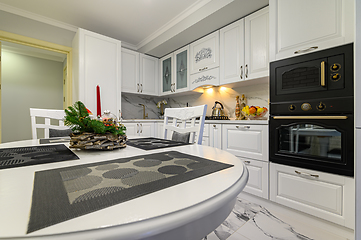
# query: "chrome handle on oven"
x,y
307,174
306,50
323,82
311,117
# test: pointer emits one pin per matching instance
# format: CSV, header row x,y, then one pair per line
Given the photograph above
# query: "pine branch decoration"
x,y
78,119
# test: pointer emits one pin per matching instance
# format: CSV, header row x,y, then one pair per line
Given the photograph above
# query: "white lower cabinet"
x,y
258,177
327,196
215,135
145,129
245,140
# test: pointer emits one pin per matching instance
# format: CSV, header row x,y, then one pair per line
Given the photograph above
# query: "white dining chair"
x,y
183,125
54,122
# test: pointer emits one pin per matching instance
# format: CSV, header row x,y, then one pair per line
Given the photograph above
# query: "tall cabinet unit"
x,y
139,73
97,61
244,48
303,26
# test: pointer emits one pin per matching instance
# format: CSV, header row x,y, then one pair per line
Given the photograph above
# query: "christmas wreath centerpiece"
x,y
89,133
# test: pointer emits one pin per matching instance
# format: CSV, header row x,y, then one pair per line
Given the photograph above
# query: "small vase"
x,y
238,110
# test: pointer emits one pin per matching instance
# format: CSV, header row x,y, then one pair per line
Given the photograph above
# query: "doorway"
x,y
31,87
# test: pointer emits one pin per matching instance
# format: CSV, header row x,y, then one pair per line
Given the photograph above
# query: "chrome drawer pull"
x,y
247,162
307,174
247,127
306,50
241,73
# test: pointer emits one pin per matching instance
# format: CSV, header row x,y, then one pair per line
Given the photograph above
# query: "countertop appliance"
x,y
217,111
312,111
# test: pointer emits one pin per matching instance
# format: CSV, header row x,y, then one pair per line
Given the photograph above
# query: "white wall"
x,y
27,82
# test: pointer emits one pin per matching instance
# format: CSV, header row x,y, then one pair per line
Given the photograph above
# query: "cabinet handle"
x,y
305,50
246,73
214,126
141,87
247,127
202,69
137,128
307,174
247,162
323,73
137,87
141,128
241,72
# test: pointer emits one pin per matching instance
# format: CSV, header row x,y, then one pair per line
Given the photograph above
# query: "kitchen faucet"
x,y
144,115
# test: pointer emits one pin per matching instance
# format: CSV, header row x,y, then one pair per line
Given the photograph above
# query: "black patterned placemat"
x,y
65,193
153,143
54,140
25,156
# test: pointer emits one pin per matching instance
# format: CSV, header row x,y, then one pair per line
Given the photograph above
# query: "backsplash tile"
x,y
257,95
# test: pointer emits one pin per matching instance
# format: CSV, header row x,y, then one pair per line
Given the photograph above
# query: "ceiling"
x,y
154,27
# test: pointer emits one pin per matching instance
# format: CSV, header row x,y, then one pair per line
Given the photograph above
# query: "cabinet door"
x,y
204,53
232,53
146,129
130,71
250,141
181,71
324,195
99,64
166,69
302,26
258,177
149,75
257,45
132,129
215,135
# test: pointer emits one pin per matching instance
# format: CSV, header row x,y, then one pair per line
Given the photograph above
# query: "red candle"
x,y
99,110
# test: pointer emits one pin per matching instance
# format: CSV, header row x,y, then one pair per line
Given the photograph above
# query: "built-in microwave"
x,y
323,74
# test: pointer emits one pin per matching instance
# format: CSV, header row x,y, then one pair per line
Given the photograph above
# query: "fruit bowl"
x,y
254,112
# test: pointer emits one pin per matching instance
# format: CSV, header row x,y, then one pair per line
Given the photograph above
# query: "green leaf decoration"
x,y
78,119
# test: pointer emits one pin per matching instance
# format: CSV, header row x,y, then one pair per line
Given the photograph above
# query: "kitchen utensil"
x,y
217,111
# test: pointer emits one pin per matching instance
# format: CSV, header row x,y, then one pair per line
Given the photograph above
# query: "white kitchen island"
x,y
189,210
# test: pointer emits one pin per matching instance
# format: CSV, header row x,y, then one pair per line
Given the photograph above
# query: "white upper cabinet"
x,y
139,73
244,48
302,26
232,52
148,77
130,71
204,53
257,44
97,61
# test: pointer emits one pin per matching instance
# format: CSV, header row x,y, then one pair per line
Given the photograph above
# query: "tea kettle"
x,y
217,111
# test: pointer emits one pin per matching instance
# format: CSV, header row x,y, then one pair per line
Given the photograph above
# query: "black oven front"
x,y
322,141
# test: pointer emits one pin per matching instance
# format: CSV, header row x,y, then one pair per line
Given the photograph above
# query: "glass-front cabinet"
x,y
167,85
181,69
175,72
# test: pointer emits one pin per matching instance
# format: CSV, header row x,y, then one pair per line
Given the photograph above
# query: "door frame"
x,y
32,42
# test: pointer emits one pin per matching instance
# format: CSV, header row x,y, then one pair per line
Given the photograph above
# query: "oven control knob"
x,y
306,106
335,67
335,77
321,106
292,107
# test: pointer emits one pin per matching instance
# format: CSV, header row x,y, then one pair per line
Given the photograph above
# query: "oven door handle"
x,y
311,117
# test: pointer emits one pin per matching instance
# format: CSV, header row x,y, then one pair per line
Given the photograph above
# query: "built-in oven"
x,y
323,142
311,122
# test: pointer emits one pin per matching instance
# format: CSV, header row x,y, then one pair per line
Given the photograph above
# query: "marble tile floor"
x,y
249,221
